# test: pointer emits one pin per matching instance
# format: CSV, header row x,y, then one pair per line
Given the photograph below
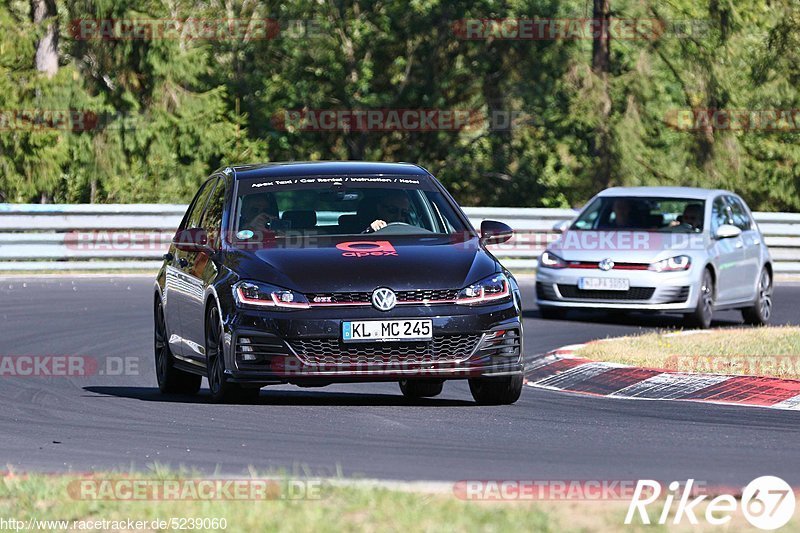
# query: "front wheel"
x,y
760,312
418,388
496,391
170,379
701,316
222,390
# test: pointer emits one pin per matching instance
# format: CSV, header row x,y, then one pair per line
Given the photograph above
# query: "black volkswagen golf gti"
x,y
318,273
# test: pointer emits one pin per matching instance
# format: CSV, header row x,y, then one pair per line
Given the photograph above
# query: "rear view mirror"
x,y
727,231
192,240
493,232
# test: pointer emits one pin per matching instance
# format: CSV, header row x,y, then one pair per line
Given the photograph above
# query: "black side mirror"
x,y
192,240
493,232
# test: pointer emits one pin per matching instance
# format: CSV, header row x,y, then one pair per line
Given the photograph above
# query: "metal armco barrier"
x,y
134,237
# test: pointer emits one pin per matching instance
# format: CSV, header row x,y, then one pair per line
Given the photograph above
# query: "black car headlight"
x,y
492,289
257,294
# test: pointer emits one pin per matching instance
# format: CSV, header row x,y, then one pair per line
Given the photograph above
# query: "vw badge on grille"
x,y
384,299
606,264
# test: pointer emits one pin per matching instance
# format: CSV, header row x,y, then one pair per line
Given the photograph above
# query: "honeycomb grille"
x,y
443,348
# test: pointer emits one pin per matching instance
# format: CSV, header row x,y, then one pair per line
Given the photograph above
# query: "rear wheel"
x,y
760,312
170,379
418,388
222,390
701,316
496,391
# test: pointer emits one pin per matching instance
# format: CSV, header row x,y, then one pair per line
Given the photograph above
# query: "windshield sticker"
x,y
392,182
367,248
245,234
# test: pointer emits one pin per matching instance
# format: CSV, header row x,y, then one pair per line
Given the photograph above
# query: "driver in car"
x,y
692,216
258,210
391,208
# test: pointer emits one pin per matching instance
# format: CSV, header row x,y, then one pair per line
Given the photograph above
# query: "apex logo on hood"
x,y
366,248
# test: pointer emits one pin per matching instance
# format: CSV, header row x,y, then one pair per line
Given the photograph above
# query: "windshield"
x,y
679,215
346,206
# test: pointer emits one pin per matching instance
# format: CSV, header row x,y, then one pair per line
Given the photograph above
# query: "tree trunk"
x,y
601,66
43,12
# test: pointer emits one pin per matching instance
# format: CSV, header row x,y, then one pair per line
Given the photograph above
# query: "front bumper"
x,y
649,291
304,347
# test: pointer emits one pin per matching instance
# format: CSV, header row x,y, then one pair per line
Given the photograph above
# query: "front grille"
x,y
572,292
545,291
506,343
674,295
361,298
257,351
442,348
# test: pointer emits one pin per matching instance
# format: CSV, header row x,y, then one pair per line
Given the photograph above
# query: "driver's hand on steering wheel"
x,y
378,224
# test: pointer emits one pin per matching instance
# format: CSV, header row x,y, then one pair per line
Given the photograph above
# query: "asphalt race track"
x,y
120,421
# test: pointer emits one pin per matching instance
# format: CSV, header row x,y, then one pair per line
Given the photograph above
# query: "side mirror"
x,y
192,240
561,227
493,232
727,231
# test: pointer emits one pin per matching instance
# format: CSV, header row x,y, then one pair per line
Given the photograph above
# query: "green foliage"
x,y
173,109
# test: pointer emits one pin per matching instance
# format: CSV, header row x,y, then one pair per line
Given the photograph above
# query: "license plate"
x,y
603,284
387,330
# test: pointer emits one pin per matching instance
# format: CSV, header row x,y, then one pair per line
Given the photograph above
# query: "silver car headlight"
x,y
550,260
257,294
673,264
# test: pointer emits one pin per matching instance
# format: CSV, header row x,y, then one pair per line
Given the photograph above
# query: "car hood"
x,y
625,246
397,263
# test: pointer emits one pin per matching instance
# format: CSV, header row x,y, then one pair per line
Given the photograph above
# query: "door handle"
x,y
182,262
739,244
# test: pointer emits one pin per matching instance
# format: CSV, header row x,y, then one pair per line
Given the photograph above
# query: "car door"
x,y
201,271
726,254
179,286
751,247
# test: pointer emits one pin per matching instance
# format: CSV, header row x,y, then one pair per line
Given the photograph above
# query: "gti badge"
x,y
606,264
384,299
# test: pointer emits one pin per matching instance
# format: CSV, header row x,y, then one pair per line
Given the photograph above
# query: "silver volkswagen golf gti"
x,y
671,249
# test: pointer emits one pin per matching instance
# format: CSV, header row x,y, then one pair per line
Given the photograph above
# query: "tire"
x,y
170,379
552,313
761,311
419,388
701,317
496,391
222,390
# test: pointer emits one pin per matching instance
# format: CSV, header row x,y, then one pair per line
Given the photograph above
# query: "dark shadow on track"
x,y
283,397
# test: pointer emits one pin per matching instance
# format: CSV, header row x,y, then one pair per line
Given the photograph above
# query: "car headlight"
x,y
255,294
491,289
551,260
673,264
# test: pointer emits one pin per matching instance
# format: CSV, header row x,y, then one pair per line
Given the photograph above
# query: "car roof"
x,y
668,192
324,168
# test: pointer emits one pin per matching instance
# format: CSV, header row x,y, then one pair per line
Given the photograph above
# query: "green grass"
x,y
767,351
342,506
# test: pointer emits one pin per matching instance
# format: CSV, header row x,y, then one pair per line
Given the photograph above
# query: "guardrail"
x,y
134,236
